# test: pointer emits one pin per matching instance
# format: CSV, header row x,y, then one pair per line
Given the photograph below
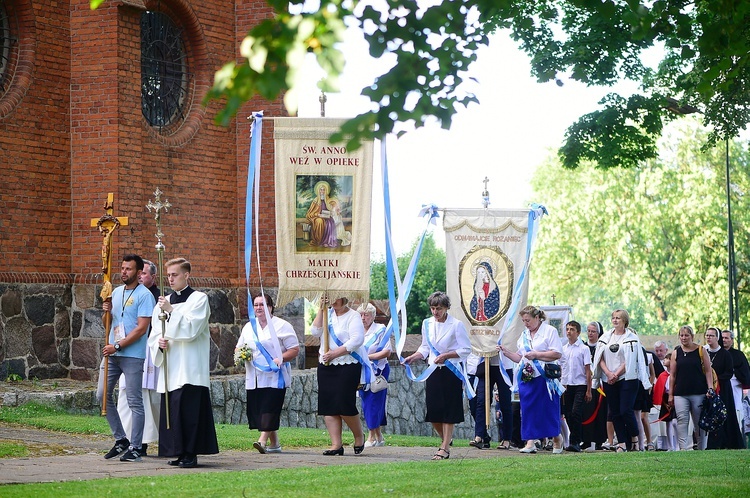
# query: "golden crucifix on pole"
x,y
156,206
106,225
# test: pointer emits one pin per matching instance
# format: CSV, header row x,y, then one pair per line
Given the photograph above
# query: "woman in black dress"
x,y
728,436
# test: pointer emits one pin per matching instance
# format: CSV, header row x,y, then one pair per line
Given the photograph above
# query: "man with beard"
x,y
131,307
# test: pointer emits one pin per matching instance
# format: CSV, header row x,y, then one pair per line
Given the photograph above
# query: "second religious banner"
x,y
485,255
323,203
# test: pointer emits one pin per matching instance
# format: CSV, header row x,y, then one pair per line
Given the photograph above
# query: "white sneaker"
x,y
370,444
526,449
380,443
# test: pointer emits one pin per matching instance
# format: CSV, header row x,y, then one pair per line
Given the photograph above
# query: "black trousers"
x,y
572,406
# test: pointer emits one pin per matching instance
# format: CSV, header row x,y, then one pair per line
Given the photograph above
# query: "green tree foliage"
x,y
430,277
705,63
651,240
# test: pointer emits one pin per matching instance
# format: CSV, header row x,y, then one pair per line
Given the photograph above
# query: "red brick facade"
x,y
72,130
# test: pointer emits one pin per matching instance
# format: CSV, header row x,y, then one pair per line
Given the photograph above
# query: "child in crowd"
x,y
666,414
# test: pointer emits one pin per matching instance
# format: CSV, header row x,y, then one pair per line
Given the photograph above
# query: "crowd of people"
x,y
551,393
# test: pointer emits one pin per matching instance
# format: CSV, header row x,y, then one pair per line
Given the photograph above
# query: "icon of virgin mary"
x,y
486,300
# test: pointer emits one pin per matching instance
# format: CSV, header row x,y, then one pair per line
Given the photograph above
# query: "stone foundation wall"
x,y
405,405
54,330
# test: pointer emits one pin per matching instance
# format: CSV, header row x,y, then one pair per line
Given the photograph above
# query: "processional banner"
x,y
558,316
323,204
486,252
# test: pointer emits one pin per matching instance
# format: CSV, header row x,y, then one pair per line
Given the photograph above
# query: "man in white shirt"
x,y
576,377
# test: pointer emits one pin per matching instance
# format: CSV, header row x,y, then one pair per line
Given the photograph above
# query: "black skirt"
x,y
191,423
444,393
337,389
643,401
264,408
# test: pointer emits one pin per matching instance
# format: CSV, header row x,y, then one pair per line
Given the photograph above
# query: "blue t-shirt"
x,y
127,306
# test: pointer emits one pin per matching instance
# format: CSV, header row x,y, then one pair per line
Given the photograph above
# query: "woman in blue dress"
x,y
538,345
373,404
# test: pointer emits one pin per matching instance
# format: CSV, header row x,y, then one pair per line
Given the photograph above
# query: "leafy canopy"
x,y
651,240
704,47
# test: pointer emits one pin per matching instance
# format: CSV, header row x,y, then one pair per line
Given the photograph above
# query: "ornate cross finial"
x,y
157,205
485,193
553,299
322,99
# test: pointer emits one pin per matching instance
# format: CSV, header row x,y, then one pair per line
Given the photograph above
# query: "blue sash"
x,y
468,389
365,362
270,366
553,385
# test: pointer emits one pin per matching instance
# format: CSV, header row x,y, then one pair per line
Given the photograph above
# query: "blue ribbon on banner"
x,y
397,306
256,132
536,213
365,363
253,175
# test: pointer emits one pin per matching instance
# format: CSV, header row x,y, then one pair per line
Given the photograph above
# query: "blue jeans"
x,y
621,402
133,370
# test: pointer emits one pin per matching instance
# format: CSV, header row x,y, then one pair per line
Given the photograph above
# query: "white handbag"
x,y
378,384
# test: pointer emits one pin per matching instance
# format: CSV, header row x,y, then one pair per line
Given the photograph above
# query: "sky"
x,y
517,124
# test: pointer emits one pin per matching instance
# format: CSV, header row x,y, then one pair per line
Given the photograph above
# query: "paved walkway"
x,y
83,458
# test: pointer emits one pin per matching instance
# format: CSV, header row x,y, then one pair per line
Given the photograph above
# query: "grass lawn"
x,y
12,450
657,474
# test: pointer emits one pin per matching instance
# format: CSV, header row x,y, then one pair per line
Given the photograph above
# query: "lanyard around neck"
x,y
125,301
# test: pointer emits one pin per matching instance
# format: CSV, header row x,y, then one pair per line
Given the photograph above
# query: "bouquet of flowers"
x,y
527,373
242,354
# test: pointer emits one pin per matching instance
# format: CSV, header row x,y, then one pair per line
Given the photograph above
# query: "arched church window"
x,y
8,47
164,72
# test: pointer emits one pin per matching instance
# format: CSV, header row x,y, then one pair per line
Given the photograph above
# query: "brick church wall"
x,y
35,203
72,130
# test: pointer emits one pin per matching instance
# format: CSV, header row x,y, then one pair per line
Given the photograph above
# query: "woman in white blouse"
x,y
620,367
538,345
445,343
373,404
266,385
340,371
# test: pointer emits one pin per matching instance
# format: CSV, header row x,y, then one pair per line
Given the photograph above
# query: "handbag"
x,y
552,371
713,414
378,384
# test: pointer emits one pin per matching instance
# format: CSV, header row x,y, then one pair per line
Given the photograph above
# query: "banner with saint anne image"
x,y
486,251
323,203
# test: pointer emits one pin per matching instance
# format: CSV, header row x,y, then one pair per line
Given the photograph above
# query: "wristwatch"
x,y
117,346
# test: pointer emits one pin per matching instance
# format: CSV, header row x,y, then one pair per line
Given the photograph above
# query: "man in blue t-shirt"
x,y
131,307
